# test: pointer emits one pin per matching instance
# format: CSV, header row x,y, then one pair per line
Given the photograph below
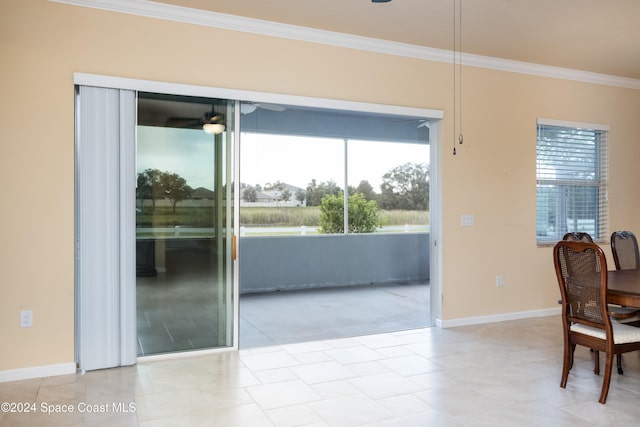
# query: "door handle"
x,y
234,253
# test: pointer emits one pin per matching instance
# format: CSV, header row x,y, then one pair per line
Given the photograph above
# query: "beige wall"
x,y
493,176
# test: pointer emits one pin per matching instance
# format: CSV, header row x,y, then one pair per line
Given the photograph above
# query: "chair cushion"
x,y
622,334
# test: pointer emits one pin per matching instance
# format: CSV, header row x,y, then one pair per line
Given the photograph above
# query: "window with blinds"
x,y
571,173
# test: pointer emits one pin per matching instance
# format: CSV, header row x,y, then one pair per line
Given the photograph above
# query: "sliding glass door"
x,y
184,223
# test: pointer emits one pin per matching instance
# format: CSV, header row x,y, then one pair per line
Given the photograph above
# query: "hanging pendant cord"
x,y
454,77
457,74
460,137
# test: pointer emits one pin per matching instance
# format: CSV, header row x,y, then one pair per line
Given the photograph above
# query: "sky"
x,y
292,160
187,152
270,158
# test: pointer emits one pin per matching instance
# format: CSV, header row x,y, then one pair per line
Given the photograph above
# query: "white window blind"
x,y
571,169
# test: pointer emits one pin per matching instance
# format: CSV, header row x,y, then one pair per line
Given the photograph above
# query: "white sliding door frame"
x,y
435,222
435,117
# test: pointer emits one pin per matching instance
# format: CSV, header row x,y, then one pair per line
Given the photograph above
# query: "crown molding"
x,y
151,9
548,71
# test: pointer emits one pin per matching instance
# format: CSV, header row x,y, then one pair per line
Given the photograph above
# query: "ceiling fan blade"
x,y
422,123
183,122
270,107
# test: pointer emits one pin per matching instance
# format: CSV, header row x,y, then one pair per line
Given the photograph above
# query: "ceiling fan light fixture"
x,y
213,128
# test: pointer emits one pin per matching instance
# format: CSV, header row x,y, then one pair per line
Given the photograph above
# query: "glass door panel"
x,y
184,218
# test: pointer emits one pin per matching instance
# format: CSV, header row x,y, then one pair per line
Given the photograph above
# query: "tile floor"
x,y
500,374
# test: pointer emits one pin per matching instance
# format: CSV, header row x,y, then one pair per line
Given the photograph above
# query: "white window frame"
x,y
571,171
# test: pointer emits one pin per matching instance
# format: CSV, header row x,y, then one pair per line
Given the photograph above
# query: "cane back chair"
x,y
619,314
581,270
624,246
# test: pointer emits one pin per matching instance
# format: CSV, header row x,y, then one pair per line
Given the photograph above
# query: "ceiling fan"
x,y
211,122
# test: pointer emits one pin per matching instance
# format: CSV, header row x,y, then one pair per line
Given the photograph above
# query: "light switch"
x,y
26,318
467,220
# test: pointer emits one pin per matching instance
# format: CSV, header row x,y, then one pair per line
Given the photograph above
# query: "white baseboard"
x,y
37,372
70,368
478,320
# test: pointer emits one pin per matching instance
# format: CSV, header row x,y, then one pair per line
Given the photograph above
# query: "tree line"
x,y
154,184
405,187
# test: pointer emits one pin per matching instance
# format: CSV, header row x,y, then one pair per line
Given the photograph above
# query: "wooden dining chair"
x,y
580,236
581,270
618,313
624,246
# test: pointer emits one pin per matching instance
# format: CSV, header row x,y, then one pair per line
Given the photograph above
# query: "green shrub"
x,y
363,214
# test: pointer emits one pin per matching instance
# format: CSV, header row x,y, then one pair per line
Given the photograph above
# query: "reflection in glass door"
x,y
184,223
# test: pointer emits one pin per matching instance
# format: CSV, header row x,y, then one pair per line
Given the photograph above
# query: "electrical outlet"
x,y
26,318
499,281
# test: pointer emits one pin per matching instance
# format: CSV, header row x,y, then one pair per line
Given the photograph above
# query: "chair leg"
x,y
607,378
619,360
567,364
573,350
596,368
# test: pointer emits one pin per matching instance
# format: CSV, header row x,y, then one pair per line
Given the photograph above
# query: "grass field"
x,y
310,216
262,217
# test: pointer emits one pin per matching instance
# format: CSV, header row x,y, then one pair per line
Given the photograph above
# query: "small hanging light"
x,y
213,123
213,128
